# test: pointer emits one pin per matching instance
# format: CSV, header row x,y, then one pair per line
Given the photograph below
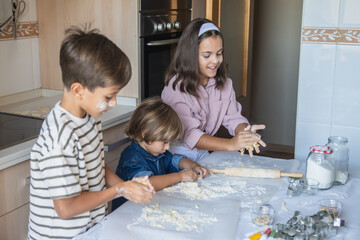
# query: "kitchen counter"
x,y
38,103
182,214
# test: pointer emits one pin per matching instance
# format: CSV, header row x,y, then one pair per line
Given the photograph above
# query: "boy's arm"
x,y
187,163
111,178
72,206
160,182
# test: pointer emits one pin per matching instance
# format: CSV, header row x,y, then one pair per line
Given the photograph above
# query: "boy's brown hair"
x,y
153,120
93,60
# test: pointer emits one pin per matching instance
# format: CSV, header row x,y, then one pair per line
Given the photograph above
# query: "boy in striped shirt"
x,y
70,183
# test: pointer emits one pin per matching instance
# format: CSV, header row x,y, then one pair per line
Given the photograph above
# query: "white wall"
x,y
329,85
19,59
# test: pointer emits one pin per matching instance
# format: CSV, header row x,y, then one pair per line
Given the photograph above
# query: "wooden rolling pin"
x,y
256,173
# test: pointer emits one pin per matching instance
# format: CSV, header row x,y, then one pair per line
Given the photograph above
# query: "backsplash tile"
x,y
16,66
321,13
309,134
24,30
346,103
349,13
331,35
352,134
315,87
341,41
19,58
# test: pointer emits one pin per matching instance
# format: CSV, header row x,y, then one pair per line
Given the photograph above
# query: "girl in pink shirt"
x,y
197,88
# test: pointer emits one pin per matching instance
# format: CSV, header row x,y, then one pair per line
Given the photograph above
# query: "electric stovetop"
x,y
15,129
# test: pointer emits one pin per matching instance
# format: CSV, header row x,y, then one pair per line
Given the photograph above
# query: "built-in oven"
x,y
161,25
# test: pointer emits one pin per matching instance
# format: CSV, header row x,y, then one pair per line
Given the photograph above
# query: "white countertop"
x,y
232,210
39,103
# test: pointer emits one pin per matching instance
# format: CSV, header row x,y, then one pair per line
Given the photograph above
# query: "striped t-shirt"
x,y
67,159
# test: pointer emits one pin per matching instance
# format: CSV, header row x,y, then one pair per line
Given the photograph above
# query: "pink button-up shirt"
x,y
204,115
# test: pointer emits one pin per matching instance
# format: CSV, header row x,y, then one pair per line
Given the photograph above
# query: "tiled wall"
x,y
19,59
329,76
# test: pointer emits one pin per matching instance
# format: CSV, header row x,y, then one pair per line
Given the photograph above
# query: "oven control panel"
x,y
164,22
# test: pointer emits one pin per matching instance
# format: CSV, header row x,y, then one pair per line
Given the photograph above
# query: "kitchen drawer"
x,y
115,141
114,134
14,190
112,157
14,225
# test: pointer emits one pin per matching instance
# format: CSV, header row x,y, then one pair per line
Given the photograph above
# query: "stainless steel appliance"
x,y
161,25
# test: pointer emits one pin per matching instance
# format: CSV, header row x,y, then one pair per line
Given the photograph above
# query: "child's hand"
x,y
201,171
243,139
188,175
248,140
145,181
134,191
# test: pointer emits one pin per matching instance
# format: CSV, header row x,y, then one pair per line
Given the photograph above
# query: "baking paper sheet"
x,y
126,222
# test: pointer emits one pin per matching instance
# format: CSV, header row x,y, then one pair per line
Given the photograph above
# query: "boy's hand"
x,y
188,175
201,171
145,181
134,191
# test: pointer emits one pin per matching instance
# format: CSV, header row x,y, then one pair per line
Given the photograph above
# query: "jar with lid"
x,y
340,158
319,166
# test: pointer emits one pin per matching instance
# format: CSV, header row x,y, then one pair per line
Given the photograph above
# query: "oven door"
x,y
156,55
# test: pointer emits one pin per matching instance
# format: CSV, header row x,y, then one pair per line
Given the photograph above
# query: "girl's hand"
x,y
134,191
243,139
188,175
253,129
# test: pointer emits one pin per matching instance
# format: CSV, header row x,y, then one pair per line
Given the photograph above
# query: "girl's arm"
x,y
239,141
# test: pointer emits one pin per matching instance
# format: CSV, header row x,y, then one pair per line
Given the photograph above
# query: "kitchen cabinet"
x,y
116,19
14,185
14,201
115,141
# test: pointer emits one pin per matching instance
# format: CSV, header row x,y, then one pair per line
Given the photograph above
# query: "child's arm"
x,y
111,178
162,181
72,206
192,171
187,163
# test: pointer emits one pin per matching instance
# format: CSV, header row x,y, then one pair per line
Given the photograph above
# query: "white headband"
x,y
207,27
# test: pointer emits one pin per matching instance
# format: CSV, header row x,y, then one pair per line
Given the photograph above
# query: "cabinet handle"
x,y
108,148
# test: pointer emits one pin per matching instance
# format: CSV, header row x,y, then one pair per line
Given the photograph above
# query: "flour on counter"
x,y
191,220
248,195
195,191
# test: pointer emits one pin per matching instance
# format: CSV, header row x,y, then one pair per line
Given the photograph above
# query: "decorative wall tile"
x,y
331,35
321,35
350,36
24,30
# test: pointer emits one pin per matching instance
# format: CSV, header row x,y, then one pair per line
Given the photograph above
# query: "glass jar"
x,y
319,166
340,158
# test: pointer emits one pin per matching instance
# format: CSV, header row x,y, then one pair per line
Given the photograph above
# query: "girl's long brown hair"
x,y
185,65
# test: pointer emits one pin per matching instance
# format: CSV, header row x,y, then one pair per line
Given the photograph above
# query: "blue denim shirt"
x,y
137,162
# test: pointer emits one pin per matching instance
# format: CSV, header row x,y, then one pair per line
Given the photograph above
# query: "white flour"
x,y
191,220
324,173
247,195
